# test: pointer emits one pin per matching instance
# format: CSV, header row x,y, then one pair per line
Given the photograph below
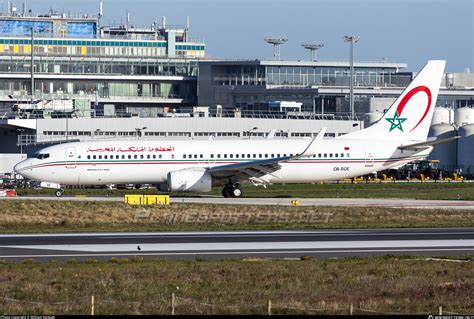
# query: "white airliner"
x,y
399,137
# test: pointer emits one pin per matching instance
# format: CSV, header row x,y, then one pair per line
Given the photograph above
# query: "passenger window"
x,y
117,156
154,156
94,157
88,157
141,156
254,155
218,155
243,155
129,156
212,155
231,155
347,155
100,156
259,155
105,156
148,156
342,154
195,156
184,155
325,155
135,156
319,155
225,155
172,156
284,155
123,156
160,156
266,155
336,155
330,155
201,156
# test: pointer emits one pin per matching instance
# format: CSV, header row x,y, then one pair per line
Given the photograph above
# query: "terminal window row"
x,y
46,65
172,134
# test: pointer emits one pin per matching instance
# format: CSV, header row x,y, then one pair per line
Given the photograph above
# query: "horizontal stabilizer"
x,y
427,144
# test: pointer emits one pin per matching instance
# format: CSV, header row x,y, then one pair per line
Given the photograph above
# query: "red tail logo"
x,y
407,98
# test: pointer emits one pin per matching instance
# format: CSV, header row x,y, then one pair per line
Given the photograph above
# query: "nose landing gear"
x,y
232,190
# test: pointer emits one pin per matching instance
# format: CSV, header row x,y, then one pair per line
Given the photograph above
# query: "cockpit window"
x,y
41,156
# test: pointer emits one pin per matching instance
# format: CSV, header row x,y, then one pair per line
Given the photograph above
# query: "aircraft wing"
x,y
249,169
426,144
255,169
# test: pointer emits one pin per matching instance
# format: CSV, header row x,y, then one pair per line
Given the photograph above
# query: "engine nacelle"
x,y
189,180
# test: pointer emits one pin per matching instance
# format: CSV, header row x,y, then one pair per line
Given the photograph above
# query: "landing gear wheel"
x,y
59,193
236,191
226,191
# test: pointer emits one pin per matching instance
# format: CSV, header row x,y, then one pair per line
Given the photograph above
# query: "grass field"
x,y
61,216
133,286
461,191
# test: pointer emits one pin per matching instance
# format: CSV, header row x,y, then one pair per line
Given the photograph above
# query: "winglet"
x,y
317,138
271,135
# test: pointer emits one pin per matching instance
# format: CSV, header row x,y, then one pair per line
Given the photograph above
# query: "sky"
x,y
407,31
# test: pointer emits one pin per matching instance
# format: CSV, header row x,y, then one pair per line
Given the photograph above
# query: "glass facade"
x,y
156,67
23,28
144,88
96,48
455,101
156,90
333,76
254,86
306,76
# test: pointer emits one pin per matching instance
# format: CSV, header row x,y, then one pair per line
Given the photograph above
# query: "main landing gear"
x,y
59,192
232,190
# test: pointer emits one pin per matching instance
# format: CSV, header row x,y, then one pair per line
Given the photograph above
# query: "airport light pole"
x,y
139,131
32,71
313,48
351,39
67,128
20,130
276,42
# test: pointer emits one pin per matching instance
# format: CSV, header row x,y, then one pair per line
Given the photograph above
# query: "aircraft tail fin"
x,y
409,117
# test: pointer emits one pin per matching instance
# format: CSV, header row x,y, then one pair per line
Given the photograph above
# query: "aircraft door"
x,y
71,157
369,155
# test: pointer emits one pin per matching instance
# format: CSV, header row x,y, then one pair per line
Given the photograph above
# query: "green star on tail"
x,y
397,119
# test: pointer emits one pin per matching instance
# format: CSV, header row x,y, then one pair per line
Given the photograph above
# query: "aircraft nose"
x,y
19,167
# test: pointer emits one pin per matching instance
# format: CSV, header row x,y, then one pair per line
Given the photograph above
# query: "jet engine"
x,y
189,180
